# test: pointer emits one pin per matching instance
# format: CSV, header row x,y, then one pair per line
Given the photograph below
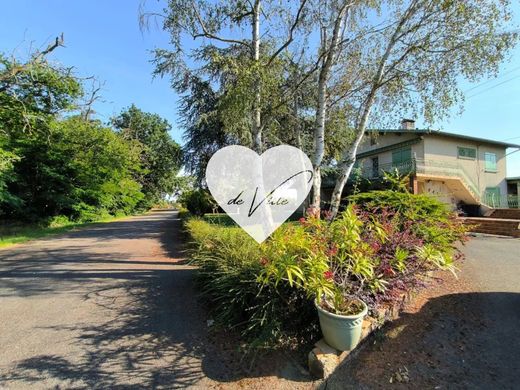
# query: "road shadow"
x,y
456,341
147,328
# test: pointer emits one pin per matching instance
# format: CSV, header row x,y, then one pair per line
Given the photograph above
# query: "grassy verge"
x,y
11,235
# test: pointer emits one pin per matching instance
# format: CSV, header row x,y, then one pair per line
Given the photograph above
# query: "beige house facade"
x,y
457,169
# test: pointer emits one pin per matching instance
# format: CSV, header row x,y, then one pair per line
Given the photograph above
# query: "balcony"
x,y
452,174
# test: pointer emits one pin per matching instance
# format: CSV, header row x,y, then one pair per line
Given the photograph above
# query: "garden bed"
x,y
377,250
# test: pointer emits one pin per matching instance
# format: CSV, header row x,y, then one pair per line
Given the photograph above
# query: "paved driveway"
x,y
113,306
461,334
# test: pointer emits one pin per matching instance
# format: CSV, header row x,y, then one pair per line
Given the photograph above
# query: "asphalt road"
x,y
113,306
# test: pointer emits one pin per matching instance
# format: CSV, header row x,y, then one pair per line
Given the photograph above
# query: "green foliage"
x,y
219,219
229,262
412,207
370,253
160,156
79,169
56,167
395,181
366,252
32,93
198,202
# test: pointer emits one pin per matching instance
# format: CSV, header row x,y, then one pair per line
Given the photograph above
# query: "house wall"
x,y
444,149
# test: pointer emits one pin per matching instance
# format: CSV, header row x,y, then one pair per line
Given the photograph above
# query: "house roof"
x,y
517,178
446,134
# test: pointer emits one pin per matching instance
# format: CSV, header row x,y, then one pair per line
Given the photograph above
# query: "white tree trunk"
x,y
257,118
347,163
349,157
321,109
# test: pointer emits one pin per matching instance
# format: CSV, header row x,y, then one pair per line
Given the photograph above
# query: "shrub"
x,y
230,263
198,202
374,254
434,223
374,251
59,220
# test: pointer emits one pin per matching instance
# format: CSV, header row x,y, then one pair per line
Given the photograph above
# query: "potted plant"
x,y
341,320
331,262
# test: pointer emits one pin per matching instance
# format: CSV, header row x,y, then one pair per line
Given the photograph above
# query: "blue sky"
x,y
103,39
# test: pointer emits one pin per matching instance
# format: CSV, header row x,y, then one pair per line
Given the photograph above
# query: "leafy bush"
x,y
434,223
372,251
198,202
59,220
230,263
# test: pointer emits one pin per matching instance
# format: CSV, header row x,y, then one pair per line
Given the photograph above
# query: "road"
x,y
114,306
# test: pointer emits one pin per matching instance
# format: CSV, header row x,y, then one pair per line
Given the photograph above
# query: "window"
x,y
468,153
375,167
491,162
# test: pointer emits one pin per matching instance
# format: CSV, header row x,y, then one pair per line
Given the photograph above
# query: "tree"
x,y
332,23
51,166
204,131
249,62
415,61
32,92
160,156
389,56
80,169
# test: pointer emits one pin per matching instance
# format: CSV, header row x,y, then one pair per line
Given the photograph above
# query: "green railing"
x,y
422,166
501,201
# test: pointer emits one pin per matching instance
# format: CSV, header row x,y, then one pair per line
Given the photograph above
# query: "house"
x,y
459,170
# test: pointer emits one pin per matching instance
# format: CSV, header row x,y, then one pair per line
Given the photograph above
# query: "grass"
x,y
11,235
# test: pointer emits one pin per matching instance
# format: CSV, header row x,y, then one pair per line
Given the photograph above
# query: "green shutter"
x,y
490,161
401,156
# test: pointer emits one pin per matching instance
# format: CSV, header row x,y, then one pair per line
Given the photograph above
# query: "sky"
x,y
103,39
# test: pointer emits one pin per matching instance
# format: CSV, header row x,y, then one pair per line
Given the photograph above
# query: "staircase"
x,y
493,225
505,213
454,177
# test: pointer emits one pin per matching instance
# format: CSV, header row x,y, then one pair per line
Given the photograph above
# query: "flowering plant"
x,y
363,254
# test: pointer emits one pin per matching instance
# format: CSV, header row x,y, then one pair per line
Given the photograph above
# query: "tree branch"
x,y
207,34
291,33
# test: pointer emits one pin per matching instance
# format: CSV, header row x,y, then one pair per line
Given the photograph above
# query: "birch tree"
x,y
332,22
414,58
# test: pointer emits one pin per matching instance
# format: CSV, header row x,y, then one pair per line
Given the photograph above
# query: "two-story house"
x,y
455,168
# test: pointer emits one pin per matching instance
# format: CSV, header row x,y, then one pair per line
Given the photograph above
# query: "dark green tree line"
x,y
57,163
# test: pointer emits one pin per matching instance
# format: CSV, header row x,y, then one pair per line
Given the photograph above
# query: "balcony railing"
x,y
425,167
